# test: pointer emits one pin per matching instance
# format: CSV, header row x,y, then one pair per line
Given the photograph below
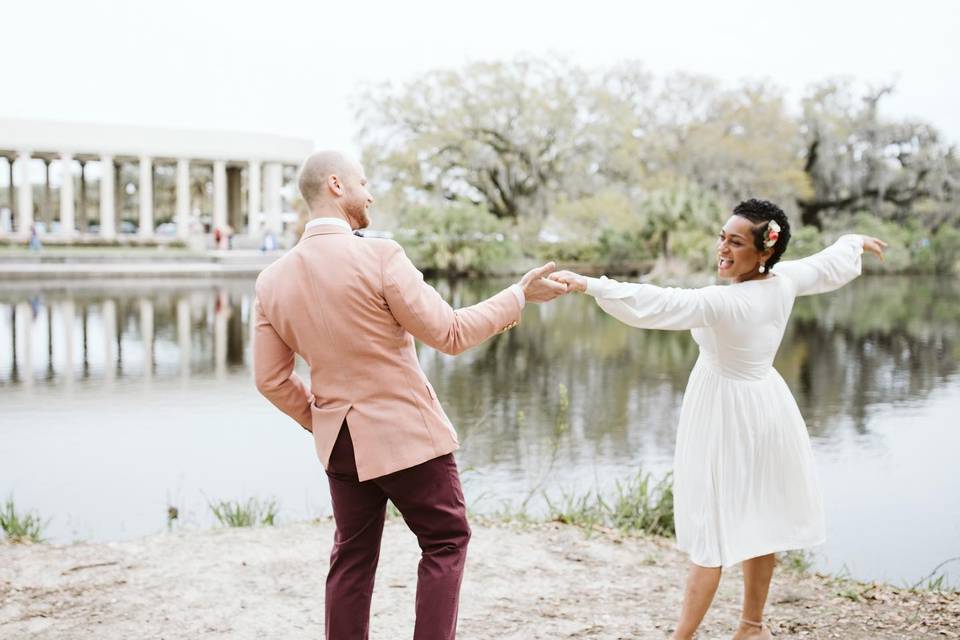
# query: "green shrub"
x,y
899,237
621,247
946,248
568,252
804,241
457,239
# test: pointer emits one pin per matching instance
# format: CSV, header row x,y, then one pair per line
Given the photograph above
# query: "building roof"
x,y
51,138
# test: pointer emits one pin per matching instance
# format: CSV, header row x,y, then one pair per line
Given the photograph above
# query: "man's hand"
x,y
572,281
536,287
876,246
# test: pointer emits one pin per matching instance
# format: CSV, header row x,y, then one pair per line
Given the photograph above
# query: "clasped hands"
x,y
545,283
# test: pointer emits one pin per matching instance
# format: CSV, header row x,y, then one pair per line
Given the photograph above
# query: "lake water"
x,y
121,398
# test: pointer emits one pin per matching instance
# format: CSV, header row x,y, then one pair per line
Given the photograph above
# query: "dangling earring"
x,y
762,268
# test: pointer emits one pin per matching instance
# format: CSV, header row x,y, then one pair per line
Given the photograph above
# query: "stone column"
x,y
183,335
253,198
46,212
274,204
219,194
119,194
146,335
67,229
108,224
183,199
82,200
234,196
10,194
146,197
24,194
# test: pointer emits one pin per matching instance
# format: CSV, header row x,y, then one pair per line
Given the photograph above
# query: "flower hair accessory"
x,y
771,234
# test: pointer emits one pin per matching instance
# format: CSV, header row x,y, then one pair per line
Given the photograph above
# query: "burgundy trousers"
x,y
430,498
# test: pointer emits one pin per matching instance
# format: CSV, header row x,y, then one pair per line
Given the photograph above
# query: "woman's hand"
x,y
876,246
573,281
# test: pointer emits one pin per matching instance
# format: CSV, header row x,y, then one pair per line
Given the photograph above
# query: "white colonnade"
x,y
255,161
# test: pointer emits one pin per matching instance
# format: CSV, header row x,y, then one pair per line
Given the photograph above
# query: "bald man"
x,y
351,307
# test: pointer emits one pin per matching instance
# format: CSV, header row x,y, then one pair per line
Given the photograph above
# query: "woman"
x,y
745,486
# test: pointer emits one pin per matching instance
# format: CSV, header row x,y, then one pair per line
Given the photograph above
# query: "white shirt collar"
x,y
316,222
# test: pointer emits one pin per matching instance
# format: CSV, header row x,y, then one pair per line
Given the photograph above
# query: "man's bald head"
x,y
333,184
317,171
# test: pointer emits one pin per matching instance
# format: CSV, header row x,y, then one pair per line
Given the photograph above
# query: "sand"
x,y
522,581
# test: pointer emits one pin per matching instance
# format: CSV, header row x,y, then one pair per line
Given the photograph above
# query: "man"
x,y
351,307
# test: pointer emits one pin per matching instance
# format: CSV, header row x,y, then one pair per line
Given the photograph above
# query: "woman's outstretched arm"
x,y
831,268
647,306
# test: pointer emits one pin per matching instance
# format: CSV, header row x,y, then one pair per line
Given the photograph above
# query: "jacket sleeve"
x,y
420,310
273,372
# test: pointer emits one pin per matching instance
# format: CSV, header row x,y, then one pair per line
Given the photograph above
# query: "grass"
x,y
639,504
643,505
935,580
798,560
584,510
20,527
245,514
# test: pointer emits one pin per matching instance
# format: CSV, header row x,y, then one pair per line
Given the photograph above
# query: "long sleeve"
x,y
650,307
827,270
273,363
424,314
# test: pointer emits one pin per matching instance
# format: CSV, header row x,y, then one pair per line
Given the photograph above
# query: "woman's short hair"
x,y
760,213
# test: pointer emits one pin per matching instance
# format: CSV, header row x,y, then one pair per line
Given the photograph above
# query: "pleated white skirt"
x,y
745,482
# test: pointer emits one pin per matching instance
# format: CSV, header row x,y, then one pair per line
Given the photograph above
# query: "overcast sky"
x,y
291,67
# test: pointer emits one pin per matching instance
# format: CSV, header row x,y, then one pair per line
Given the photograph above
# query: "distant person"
x,y
217,237
35,244
351,308
745,484
269,242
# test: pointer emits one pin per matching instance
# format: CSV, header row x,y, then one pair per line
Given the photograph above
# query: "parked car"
x,y
166,229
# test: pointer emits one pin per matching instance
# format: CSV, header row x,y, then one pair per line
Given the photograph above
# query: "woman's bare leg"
x,y
701,586
757,573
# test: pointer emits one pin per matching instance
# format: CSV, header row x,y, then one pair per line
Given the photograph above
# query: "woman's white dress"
x,y
745,483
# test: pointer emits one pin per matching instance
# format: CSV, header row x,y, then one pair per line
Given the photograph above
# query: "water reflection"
x,y
879,341
137,331
149,382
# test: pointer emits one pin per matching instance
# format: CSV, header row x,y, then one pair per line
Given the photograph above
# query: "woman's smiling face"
x,y
738,258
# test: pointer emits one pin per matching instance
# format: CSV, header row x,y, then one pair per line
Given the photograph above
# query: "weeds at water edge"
x,y
20,527
245,514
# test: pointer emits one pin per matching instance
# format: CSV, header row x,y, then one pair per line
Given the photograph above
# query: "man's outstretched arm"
x,y
273,372
421,311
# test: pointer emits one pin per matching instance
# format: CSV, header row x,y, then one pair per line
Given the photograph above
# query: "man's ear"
x,y
334,184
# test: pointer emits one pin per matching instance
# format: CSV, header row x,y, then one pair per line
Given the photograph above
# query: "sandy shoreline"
x,y
522,582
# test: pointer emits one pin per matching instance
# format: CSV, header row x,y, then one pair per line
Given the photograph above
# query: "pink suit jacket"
x,y
351,308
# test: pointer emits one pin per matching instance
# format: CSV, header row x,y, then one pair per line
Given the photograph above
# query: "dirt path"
x,y
522,582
